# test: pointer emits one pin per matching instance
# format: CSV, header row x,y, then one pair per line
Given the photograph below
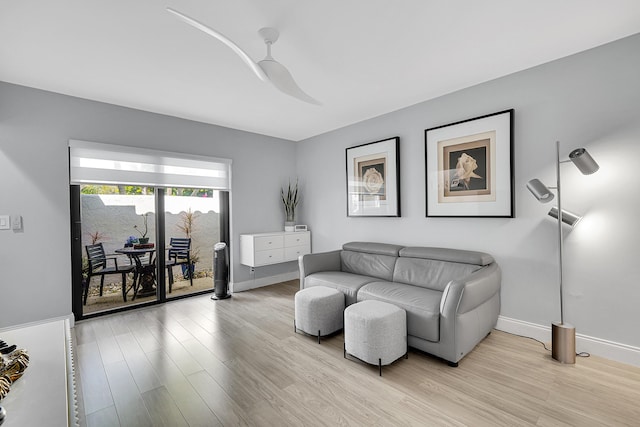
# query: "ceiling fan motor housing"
x,y
269,35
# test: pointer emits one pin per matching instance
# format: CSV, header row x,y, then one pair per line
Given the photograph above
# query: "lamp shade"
x,y
568,218
540,191
583,161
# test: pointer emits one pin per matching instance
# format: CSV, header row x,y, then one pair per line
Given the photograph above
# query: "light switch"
x,y
5,224
16,222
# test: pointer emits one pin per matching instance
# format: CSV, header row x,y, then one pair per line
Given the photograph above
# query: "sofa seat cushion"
x,y
347,283
421,304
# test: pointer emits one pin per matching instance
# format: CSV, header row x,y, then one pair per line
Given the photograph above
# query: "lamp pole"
x,y
563,335
560,239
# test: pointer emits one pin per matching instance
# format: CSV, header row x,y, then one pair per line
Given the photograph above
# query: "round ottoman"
x,y
318,311
375,332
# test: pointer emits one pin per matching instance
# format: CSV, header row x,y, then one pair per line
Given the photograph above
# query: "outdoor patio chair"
x,y
179,254
101,264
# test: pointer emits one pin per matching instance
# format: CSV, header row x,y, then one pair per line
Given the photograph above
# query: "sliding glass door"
x,y
192,228
134,246
118,240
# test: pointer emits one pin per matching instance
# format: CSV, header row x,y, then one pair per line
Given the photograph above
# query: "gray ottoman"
x,y
375,332
318,311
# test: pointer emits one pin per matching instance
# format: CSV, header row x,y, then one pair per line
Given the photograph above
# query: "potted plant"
x,y
290,201
186,225
131,240
144,239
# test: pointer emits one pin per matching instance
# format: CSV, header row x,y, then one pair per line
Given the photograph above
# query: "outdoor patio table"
x,y
145,273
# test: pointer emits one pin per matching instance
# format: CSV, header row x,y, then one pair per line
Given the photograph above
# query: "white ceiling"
x,y
360,58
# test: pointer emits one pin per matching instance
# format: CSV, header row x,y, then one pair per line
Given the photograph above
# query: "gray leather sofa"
x,y
452,297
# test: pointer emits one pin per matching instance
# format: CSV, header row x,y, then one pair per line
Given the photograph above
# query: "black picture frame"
x,y
373,179
469,168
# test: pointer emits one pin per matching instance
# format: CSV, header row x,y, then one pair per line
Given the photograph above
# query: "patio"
x,y
112,293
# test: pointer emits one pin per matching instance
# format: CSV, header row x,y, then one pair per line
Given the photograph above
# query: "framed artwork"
x,y
469,168
373,178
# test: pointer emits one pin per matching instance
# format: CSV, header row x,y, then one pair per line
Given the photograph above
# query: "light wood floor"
x,y
199,362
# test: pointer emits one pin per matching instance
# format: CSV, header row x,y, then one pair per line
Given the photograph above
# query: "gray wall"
x,y
35,127
589,100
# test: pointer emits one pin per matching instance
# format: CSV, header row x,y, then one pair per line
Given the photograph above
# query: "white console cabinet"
x,y
45,395
273,248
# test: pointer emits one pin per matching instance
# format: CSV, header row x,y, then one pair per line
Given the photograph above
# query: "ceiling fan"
x,y
268,70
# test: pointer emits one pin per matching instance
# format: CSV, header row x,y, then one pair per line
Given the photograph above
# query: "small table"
x,y
145,273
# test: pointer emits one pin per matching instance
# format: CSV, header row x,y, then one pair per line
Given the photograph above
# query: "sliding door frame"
x,y
161,290
76,250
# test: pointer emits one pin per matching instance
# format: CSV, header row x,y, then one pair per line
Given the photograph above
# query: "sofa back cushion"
x,y
433,268
447,254
429,273
369,259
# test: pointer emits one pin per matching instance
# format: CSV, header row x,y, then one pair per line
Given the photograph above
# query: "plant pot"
x,y
143,240
289,226
187,270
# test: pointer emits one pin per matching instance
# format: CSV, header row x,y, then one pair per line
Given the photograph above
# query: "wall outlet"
x,y
5,223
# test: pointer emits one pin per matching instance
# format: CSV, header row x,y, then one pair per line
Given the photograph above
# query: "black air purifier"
x,y
220,271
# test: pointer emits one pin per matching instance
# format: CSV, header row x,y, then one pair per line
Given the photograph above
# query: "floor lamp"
x,y
563,335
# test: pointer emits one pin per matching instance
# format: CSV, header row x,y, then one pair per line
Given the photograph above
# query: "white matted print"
x,y
373,178
469,167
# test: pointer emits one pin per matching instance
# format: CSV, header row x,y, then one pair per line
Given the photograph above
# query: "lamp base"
x,y
563,342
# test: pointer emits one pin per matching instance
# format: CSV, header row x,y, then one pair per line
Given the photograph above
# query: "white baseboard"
x,y
608,349
264,281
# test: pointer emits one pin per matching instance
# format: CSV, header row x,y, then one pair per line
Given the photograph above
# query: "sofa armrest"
x,y
462,296
323,261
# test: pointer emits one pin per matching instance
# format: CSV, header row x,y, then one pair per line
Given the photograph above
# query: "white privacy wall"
x,y
35,127
589,100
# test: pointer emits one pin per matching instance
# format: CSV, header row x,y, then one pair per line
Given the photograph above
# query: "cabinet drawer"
x,y
292,253
269,257
263,243
297,239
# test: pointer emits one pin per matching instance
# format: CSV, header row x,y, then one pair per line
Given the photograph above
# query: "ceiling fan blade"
x,y
283,80
241,53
